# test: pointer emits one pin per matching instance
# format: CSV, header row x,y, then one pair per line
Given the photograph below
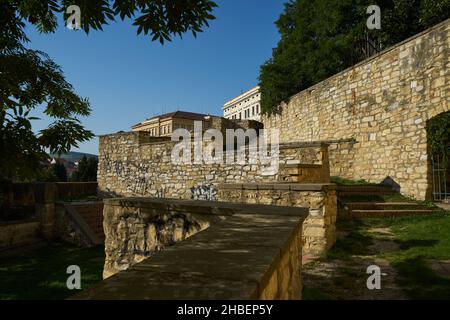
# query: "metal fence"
x,y
363,48
441,179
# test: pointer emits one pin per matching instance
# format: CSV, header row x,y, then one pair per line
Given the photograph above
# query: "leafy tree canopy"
x,y
438,138
87,170
319,37
30,79
57,173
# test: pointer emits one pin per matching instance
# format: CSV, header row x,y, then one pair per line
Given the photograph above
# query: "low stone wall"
x,y
17,201
23,201
245,252
18,233
319,228
76,190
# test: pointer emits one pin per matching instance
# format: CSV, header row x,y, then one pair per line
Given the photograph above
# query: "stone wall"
x,y
130,167
30,212
319,228
76,190
134,232
131,164
375,113
18,233
80,223
244,251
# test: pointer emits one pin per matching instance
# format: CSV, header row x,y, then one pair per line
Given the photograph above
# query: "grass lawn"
x,y
40,273
347,182
414,252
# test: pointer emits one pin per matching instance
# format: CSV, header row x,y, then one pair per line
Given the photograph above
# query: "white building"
x,y
246,106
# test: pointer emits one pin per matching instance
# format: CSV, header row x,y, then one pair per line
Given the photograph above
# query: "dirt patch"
x,y
384,246
345,278
441,267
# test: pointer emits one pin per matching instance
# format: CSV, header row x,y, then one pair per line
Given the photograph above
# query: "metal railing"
x,y
441,181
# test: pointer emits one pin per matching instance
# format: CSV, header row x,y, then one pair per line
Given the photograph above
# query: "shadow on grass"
x,y
410,245
414,243
41,273
420,281
355,242
315,294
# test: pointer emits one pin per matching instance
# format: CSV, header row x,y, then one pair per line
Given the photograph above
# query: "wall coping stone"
x,y
78,203
280,186
205,207
300,165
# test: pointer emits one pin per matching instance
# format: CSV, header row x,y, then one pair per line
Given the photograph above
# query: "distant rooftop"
x,y
177,114
181,114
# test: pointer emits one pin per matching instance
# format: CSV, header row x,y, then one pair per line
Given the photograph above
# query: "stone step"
x,y
389,213
384,206
364,190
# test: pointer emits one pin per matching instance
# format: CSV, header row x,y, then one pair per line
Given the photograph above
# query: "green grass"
x,y
347,182
315,294
427,236
41,273
420,241
395,197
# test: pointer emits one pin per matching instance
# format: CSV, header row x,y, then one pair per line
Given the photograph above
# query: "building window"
x,y
257,109
253,110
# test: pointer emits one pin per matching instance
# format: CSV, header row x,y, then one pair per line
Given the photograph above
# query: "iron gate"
x,y
441,179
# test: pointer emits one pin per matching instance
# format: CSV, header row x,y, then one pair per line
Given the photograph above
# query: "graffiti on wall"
x,y
204,192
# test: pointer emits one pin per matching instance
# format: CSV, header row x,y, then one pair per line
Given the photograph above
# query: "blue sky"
x,y
128,78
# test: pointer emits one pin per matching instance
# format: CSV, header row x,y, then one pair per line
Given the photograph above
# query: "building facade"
x,y
164,125
246,106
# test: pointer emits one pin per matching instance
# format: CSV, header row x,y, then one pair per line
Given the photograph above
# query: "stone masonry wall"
x,y
378,109
319,228
133,234
130,166
18,233
224,251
